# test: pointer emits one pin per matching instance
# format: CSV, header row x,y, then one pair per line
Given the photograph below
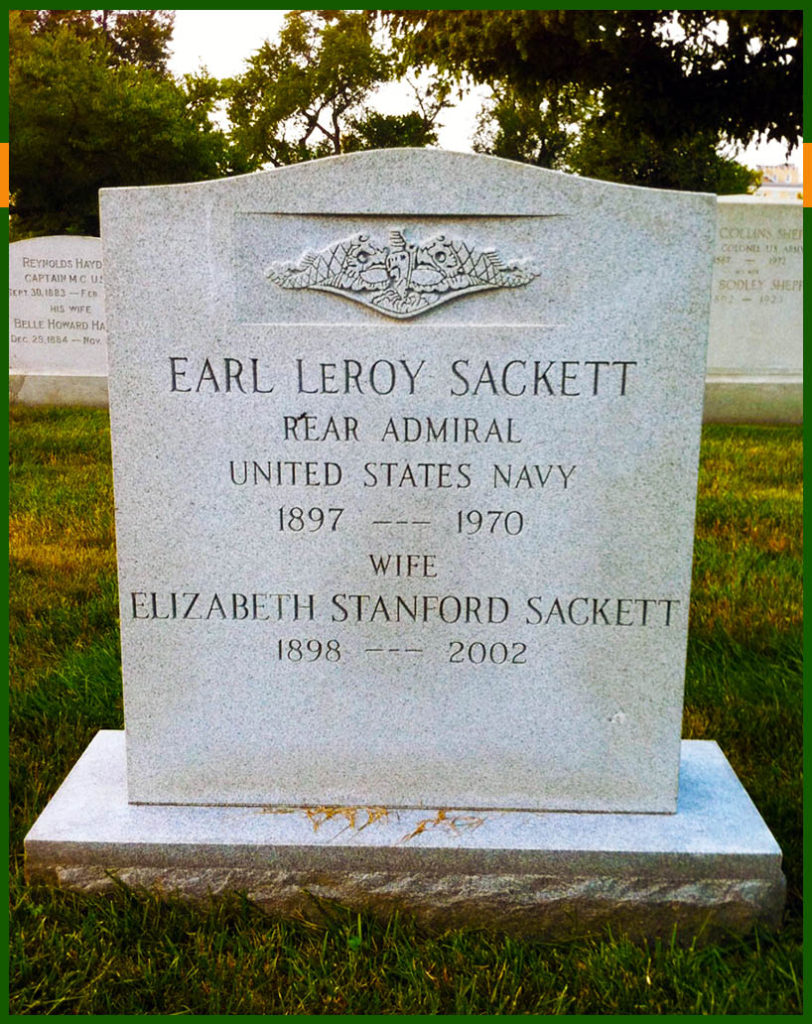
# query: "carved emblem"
x,y
402,278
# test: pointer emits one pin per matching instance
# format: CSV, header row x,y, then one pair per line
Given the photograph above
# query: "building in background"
x,y
782,182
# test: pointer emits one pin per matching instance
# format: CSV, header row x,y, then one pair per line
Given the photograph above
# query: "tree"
x,y
308,94
388,131
664,74
534,129
696,163
82,118
570,131
124,37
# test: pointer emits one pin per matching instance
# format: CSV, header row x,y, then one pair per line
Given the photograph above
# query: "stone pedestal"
x,y
713,865
57,389
765,398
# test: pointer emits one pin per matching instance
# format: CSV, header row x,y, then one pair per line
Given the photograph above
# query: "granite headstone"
x,y
405,482
755,346
405,455
57,321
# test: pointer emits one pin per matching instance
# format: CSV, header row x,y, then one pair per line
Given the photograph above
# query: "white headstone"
x,y
56,307
405,455
405,463
755,346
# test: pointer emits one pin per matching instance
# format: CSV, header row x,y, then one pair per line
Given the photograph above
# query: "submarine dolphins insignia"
x,y
402,279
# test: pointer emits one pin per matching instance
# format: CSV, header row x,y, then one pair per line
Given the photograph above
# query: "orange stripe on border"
x,y
807,173
4,182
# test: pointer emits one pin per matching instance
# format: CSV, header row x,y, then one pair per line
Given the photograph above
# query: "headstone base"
x,y
769,398
57,389
711,866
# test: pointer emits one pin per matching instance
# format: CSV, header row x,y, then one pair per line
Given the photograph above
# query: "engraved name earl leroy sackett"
x,y
508,378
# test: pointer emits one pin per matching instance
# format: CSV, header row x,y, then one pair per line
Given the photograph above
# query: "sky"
x,y
222,40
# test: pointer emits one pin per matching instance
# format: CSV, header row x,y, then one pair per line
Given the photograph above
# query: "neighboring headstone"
x,y
57,321
406,448
755,347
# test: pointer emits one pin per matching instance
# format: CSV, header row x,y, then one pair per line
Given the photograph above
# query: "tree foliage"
x,y
81,118
570,131
532,128
388,131
308,94
122,37
638,96
697,163
665,74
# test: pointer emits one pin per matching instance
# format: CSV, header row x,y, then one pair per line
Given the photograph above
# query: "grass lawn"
x,y
134,954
